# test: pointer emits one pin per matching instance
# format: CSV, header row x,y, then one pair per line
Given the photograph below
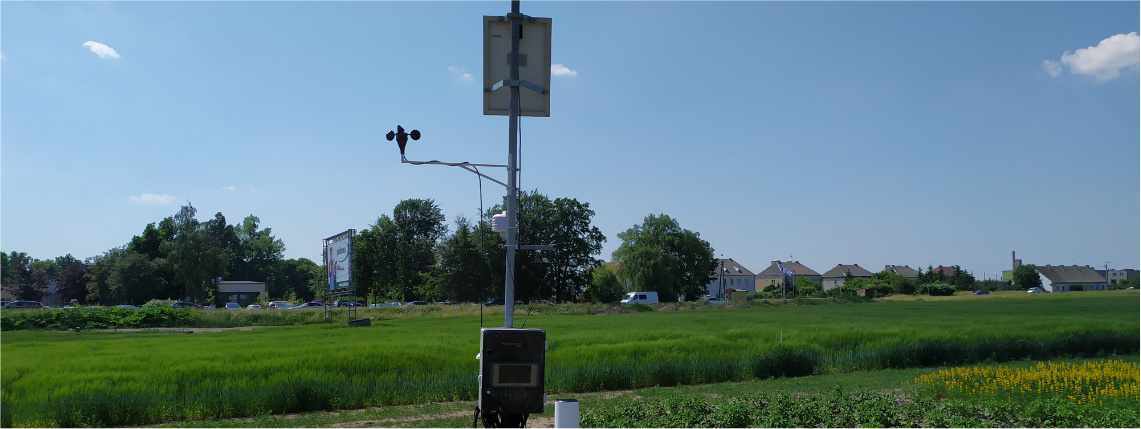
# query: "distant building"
x,y
834,278
947,271
1114,276
730,274
242,292
1063,278
902,270
772,276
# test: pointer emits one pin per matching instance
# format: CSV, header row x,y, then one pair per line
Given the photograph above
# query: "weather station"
x,y
517,77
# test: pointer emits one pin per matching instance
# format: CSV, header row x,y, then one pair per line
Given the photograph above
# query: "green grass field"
x,y
92,378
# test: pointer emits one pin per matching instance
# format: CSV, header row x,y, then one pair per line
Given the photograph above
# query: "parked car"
x,y
126,306
386,304
346,303
280,305
184,304
253,307
640,298
981,292
417,303
233,306
1035,290
311,304
24,304
494,302
285,306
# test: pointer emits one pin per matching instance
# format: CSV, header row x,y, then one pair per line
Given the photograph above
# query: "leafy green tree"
x,y
300,276
260,250
133,278
939,289
150,242
230,247
930,276
1026,277
390,256
659,255
71,280
858,283
465,277
196,259
961,280
1124,284
23,277
805,287
887,283
604,285
374,260
564,222
99,277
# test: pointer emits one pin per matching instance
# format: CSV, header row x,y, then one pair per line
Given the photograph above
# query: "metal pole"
x,y
512,173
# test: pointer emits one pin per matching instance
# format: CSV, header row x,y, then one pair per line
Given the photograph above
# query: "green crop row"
x,y
859,409
92,378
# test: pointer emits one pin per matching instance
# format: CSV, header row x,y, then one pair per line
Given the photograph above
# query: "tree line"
x,y
411,255
178,258
408,255
931,282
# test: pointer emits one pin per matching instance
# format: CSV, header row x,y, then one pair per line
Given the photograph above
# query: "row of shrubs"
x,y
148,316
863,408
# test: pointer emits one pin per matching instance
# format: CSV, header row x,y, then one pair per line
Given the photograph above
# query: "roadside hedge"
x,y
97,318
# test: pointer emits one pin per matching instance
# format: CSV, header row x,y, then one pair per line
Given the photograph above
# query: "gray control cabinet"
x,y
511,368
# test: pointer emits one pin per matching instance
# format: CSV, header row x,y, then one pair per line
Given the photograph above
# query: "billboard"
x,y
339,260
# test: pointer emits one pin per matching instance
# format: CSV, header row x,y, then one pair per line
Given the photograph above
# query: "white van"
x,y
641,298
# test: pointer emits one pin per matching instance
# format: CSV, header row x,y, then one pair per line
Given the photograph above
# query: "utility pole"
x,y
512,171
721,293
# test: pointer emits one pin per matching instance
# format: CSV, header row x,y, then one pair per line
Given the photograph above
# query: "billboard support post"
x,y
338,256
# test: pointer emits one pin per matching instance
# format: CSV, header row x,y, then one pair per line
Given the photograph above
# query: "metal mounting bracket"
x,y
464,165
522,83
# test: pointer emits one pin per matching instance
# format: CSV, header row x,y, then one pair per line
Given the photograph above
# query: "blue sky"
x,y
905,133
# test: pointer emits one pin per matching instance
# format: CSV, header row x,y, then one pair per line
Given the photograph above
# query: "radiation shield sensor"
x,y
534,66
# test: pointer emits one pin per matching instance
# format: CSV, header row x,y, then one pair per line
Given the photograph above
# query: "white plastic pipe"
x,y
566,413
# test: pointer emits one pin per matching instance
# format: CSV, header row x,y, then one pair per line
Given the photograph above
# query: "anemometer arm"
x,y
464,165
401,138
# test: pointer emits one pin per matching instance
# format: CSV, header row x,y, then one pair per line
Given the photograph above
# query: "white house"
x,y
834,278
1062,278
730,274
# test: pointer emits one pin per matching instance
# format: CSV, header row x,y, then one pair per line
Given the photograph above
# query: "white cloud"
x,y
460,73
229,188
1104,61
153,199
561,70
1052,67
103,51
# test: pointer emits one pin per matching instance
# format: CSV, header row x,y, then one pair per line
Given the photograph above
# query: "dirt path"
x,y
181,330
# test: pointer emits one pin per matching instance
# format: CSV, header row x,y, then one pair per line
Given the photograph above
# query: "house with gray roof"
x,y
773,276
902,270
834,278
1063,278
730,274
